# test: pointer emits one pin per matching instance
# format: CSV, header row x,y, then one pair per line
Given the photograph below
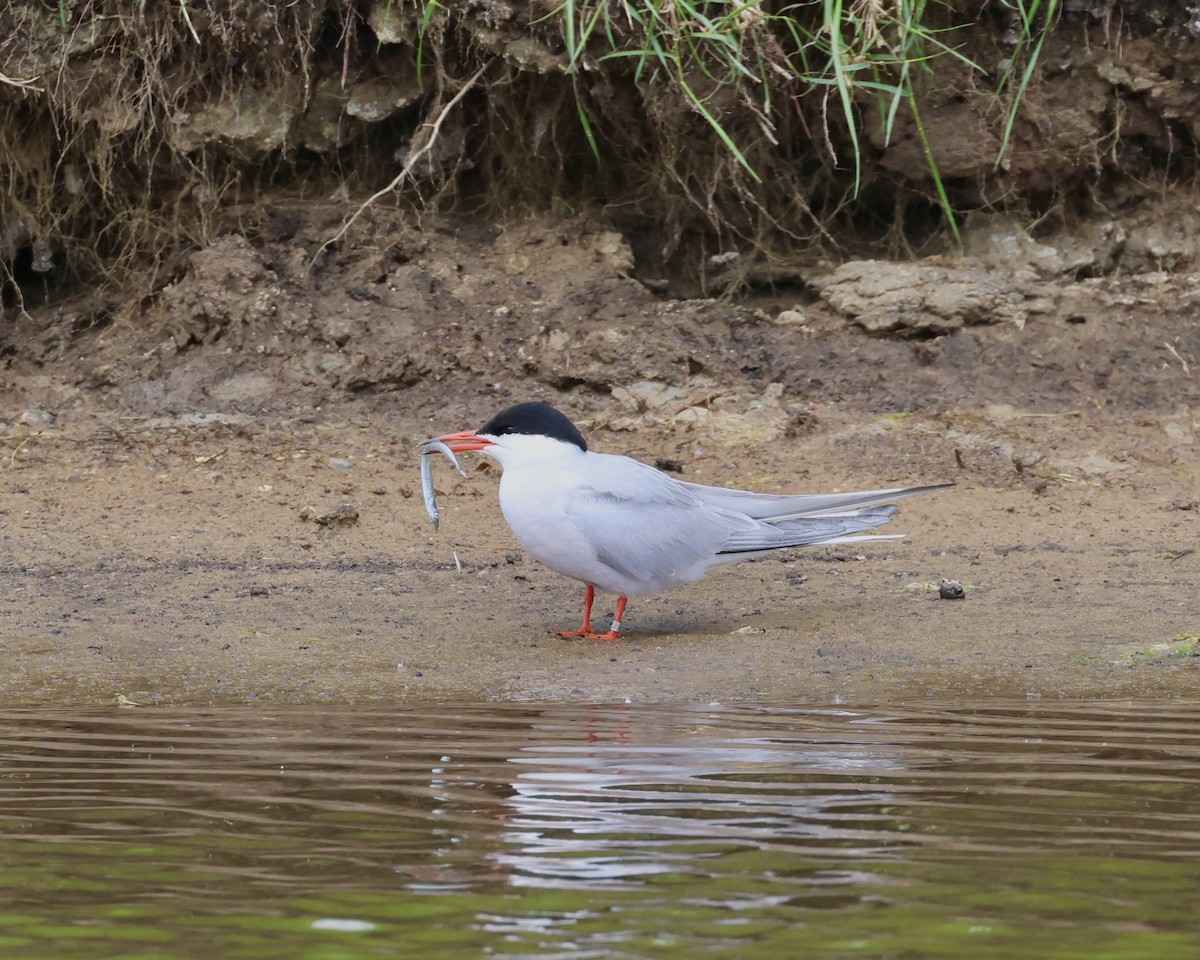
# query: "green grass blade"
x,y
427,15
837,60
938,185
1026,75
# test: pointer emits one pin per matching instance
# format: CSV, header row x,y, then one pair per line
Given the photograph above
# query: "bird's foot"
x,y
611,635
587,634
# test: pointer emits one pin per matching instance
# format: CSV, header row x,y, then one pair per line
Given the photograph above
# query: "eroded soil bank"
x,y
160,543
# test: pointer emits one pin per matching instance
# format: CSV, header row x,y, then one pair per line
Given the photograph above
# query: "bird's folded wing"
x,y
808,531
647,526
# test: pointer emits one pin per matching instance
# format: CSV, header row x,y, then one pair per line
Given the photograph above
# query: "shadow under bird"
x,y
625,527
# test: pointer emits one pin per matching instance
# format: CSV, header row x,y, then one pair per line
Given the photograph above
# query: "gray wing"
x,y
646,525
808,531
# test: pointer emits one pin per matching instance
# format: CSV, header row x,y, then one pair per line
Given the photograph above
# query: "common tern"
x,y
625,527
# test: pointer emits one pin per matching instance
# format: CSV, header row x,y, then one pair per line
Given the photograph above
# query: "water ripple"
x,y
722,819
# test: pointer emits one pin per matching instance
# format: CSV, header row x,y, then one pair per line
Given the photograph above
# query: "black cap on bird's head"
x,y
534,419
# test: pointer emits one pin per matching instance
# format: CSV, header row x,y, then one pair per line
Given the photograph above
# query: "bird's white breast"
x,y
534,492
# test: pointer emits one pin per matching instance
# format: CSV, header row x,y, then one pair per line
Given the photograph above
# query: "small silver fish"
x,y
428,449
427,488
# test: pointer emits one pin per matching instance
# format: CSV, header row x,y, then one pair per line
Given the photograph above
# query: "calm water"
x,y
482,830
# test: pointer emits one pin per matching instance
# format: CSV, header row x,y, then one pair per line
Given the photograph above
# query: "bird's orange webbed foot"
x,y
586,632
611,635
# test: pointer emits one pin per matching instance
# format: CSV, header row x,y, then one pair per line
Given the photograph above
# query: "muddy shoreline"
x,y
176,564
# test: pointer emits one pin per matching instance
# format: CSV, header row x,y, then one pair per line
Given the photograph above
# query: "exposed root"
x,y
429,136
30,84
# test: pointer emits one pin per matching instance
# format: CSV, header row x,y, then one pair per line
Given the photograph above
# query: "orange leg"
x,y
586,630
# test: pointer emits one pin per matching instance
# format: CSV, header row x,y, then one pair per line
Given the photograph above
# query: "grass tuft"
x,y
727,55
715,126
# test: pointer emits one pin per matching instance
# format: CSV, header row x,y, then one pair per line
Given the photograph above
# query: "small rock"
x,y
38,419
951,590
613,250
919,299
346,513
